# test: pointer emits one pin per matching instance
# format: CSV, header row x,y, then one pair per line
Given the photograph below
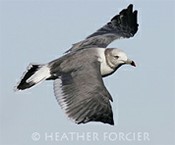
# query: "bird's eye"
x,y
116,57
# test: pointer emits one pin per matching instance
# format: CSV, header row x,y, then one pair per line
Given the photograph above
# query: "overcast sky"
x,y
40,31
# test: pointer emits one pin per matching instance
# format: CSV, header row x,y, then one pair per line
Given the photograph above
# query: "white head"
x,y
116,58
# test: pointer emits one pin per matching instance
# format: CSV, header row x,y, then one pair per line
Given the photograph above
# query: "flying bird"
x,y
77,75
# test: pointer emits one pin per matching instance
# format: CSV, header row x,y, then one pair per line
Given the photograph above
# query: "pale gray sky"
x,y
40,31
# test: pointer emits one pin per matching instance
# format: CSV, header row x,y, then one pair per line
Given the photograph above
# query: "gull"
x,y
77,75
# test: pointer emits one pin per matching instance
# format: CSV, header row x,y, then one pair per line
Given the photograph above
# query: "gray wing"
x,y
123,25
82,95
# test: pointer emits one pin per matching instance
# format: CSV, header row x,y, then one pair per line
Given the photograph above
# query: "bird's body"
x,y
77,75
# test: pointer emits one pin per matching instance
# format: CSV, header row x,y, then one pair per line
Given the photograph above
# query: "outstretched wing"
x,y
123,25
82,95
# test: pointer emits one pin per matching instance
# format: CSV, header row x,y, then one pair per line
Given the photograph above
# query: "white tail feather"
x,y
35,74
41,74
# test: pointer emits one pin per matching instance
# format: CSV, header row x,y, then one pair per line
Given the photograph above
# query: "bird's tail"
x,y
34,75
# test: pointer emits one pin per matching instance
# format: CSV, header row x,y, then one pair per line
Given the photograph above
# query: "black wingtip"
x,y
111,122
106,118
128,21
130,6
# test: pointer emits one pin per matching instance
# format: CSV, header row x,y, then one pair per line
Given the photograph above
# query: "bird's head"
x,y
117,58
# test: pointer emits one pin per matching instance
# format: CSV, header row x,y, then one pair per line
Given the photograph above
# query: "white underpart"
x,y
104,68
41,74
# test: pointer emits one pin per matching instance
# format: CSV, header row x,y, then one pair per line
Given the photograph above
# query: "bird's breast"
x,y
105,69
